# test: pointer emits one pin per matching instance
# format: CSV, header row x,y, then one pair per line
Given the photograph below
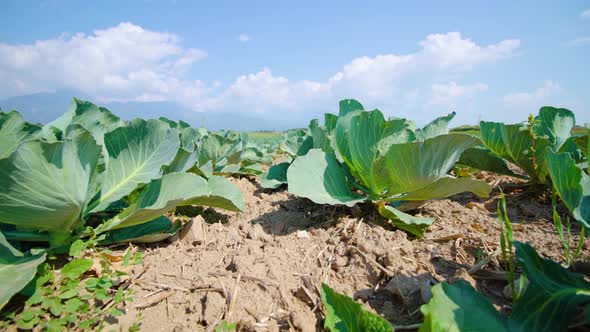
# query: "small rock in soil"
x,y
302,234
305,321
408,288
257,232
193,232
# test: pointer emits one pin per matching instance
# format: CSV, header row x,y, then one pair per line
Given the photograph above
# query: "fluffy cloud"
x,y
377,78
262,91
127,62
244,38
534,98
381,75
449,93
451,50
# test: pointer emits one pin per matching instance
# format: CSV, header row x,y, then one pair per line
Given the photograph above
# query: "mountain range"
x,y
46,106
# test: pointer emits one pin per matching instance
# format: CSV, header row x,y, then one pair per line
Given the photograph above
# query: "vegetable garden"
x,y
362,223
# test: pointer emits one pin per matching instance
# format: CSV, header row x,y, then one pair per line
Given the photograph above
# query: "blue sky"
x,y
269,59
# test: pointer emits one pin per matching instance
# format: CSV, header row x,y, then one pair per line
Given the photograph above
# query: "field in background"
x,y
265,136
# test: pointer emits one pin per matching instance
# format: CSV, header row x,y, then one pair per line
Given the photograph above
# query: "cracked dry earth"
x,y
263,267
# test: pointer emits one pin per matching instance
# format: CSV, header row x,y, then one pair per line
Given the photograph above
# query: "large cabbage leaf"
x,y
320,136
481,158
459,307
274,176
155,230
555,124
552,298
294,144
439,126
136,154
16,269
183,161
45,186
361,137
408,167
571,183
174,189
188,153
97,120
14,130
321,178
349,105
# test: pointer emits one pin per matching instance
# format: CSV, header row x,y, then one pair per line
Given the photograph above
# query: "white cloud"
x,y
244,38
127,62
579,41
451,50
123,62
389,80
534,98
378,78
585,14
449,93
262,91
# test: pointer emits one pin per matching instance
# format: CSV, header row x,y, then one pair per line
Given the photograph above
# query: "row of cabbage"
x,y
360,156
89,176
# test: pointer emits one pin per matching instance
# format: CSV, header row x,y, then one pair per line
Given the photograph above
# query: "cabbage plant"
x,y
524,144
362,157
230,153
90,174
293,144
101,170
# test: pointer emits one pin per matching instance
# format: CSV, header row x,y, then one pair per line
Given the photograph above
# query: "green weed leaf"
x,y
343,314
76,268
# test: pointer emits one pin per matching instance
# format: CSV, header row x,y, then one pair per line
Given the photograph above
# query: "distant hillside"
x,y
45,107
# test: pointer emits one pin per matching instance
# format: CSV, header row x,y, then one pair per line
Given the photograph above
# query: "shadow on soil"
x,y
209,214
399,298
298,213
